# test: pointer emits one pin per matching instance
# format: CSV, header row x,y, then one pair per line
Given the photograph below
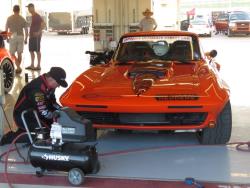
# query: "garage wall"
x,y
5,11
112,18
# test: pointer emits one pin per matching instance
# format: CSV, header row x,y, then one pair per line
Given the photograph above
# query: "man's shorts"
x,y
34,44
16,44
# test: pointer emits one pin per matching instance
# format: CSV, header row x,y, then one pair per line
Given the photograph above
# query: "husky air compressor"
x,y
69,147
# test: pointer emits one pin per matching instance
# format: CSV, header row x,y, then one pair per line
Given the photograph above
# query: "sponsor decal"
x,y
54,157
39,97
156,38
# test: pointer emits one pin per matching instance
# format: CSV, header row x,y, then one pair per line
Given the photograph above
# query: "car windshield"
x,y
151,48
198,22
223,17
239,16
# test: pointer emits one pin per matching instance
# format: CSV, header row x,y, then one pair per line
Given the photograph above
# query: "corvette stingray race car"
x,y
160,80
6,64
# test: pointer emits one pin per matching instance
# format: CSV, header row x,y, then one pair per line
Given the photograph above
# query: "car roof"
x,y
157,33
239,11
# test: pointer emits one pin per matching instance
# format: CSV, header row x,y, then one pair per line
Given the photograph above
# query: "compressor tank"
x,y
71,155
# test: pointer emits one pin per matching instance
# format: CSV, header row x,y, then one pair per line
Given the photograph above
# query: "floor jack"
x,y
67,148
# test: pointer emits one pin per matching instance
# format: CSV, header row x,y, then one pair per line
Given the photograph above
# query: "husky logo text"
x,y
55,157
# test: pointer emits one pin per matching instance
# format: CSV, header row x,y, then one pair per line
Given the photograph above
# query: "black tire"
x,y
8,74
221,133
229,33
96,168
76,176
166,131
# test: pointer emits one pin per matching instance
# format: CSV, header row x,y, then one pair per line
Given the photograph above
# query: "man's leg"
x,y
13,49
18,63
38,60
32,54
11,135
38,53
20,45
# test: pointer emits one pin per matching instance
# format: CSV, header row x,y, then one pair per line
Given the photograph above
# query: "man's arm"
x,y
25,31
42,26
155,25
140,25
54,103
26,35
7,29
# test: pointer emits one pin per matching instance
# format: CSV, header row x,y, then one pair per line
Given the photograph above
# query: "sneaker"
x,y
30,68
37,68
7,138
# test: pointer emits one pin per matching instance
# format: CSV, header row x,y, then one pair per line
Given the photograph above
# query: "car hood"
x,y
138,79
239,21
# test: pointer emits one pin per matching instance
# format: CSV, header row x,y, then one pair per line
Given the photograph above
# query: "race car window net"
x,y
166,48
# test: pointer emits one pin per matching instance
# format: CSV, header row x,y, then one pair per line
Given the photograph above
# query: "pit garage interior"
x,y
136,158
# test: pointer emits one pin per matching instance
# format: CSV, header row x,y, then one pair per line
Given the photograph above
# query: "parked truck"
x,y
69,22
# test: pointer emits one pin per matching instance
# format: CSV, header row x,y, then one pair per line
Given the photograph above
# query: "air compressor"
x,y
69,146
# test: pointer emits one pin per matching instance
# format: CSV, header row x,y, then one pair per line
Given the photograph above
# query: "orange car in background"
x,y
160,80
233,23
6,64
221,23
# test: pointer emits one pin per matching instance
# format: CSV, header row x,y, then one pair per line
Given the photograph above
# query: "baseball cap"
x,y
30,5
59,75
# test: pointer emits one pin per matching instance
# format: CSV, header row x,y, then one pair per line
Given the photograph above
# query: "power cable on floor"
x,y
8,123
7,156
5,116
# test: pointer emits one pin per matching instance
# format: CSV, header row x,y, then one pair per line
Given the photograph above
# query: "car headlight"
x,y
232,24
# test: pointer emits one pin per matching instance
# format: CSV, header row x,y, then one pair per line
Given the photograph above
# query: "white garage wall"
x,y
165,13
5,11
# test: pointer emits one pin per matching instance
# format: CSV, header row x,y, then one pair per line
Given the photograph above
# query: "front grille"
x,y
194,118
243,26
185,97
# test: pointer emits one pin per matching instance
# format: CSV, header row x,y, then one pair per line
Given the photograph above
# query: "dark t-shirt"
x,y
37,95
35,24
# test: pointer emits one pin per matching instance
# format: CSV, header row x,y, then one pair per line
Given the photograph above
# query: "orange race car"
x,y
159,80
6,64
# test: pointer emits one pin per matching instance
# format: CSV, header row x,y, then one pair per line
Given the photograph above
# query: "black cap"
x,y
59,75
30,5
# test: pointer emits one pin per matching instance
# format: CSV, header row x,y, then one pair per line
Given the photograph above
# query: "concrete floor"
x,y
147,155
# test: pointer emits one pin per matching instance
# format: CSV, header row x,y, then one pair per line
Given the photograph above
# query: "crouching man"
x,y
38,95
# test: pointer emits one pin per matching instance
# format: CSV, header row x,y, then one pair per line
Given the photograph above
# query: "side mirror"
x,y
109,54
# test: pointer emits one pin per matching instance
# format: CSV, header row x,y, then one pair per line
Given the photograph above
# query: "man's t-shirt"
x,y
16,24
35,24
147,24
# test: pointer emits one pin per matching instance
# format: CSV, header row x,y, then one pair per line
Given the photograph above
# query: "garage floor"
x,y
140,159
